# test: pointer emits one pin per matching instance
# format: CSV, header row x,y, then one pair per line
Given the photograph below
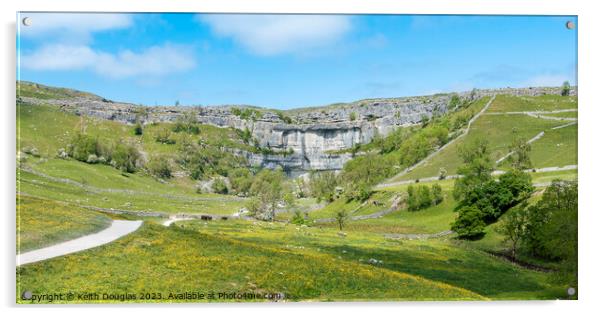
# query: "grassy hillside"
x,y
558,147
43,222
507,103
371,259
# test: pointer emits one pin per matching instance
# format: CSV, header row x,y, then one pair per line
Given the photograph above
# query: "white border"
x,y
590,118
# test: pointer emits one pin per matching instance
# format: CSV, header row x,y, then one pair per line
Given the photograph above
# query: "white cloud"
x,y
280,34
72,27
153,61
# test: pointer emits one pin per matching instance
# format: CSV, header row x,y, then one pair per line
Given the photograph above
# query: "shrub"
x,y
352,116
286,119
125,157
437,194
322,185
159,167
187,123
82,146
163,136
240,180
424,197
298,218
412,201
138,129
219,186
566,88
469,224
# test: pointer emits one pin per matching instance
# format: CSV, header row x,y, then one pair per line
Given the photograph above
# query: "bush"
x,y
163,136
82,146
322,185
424,197
352,116
219,186
187,123
469,224
240,180
437,194
125,157
159,167
298,218
566,88
138,129
412,201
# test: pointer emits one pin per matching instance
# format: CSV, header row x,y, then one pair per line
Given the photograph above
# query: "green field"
x,y
158,260
556,148
507,103
373,259
305,264
45,222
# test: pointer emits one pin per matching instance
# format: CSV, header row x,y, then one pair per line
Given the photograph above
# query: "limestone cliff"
x,y
311,137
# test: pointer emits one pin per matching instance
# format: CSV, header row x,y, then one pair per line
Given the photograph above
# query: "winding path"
x,y
118,229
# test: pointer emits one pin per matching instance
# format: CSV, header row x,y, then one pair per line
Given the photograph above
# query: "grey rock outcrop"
x,y
313,138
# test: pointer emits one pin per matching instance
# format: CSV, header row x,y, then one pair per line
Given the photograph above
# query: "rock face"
x,y
311,137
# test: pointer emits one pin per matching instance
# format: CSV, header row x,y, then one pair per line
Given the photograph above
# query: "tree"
x,y
241,180
469,224
493,198
519,158
514,227
437,193
552,228
424,197
454,101
341,217
361,173
268,187
322,185
477,167
566,88
412,201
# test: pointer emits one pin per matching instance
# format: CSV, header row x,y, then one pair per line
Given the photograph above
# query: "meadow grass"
x,y
444,260
140,201
571,115
556,148
499,130
164,260
508,103
42,222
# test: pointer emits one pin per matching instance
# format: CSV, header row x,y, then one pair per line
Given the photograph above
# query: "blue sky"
x,y
287,61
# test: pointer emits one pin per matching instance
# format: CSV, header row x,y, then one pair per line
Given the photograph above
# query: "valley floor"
x,y
383,253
